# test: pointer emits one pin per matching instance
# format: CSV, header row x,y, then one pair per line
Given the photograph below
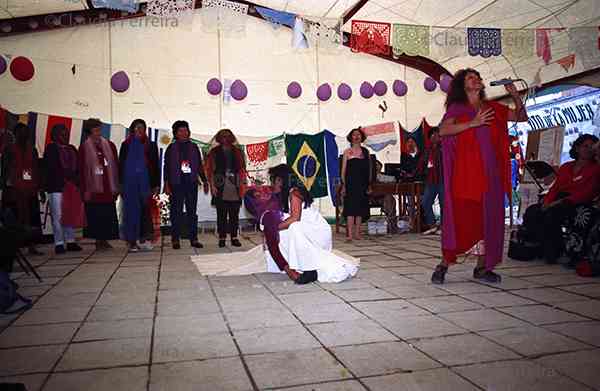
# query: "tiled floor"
x,y
150,321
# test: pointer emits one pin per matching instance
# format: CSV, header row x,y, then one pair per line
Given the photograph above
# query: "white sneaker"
x,y
146,246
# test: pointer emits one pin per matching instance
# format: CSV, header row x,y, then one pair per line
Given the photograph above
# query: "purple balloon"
x,y
119,82
294,90
445,82
324,92
214,86
366,90
380,88
429,84
238,90
3,65
344,91
399,87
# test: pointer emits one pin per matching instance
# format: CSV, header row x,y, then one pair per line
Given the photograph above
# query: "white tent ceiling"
x,y
169,67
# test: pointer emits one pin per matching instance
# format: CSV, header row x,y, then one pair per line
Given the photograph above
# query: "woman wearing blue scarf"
x,y
140,178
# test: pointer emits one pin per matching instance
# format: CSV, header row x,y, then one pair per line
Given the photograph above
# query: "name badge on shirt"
x,y
185,167
26,175
99,171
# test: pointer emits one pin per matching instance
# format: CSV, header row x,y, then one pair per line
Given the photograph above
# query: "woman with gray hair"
x,y
61,184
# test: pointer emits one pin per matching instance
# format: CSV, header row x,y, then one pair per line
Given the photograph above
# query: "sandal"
x,y
439,274
480,273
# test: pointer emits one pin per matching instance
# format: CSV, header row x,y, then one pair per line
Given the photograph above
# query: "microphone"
x,y
503,82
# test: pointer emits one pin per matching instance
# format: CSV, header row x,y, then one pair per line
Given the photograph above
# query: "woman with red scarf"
x,y
139,178
476,174
21,177
66,208
99,184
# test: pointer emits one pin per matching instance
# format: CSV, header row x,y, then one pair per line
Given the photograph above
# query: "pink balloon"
x,y
238,90
324,92
400,88
119,81
429,84
294,90
214,86
380,88
366,90
344,91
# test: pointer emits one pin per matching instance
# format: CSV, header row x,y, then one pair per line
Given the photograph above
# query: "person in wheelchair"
x,y
577,183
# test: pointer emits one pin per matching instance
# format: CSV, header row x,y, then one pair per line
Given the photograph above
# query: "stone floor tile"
x,y
548,295
497,299
511,283
425,326
389,309
541,314
121,311
115,329
461,288
196,325
315,298
38,316
433,380
348,385
480,320
383,358
533,341
192,347
517,375
416,291
104,354
29,360
582,366
364,294
282,369
327,313
226,374
557,279
463,349
264,318
275,339
592,290
589,308
114,379
444,304
60,333
190,308
588,332
353,283
350,333
31,382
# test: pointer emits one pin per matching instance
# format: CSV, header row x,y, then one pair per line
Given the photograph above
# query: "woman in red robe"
x,y
476,174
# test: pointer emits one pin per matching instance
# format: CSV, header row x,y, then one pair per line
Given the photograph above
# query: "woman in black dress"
x,y
356,180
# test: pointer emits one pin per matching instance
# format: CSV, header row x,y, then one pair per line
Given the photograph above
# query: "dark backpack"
x,y
10,301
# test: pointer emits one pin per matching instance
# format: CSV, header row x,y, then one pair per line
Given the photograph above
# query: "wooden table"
x,y
410,189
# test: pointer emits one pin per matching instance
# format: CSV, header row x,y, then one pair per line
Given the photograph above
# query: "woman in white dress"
x,y
304,250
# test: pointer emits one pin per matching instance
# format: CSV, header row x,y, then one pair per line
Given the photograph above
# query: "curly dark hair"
x,y
579,142
137,122
363,135
290,181
220,133
457,93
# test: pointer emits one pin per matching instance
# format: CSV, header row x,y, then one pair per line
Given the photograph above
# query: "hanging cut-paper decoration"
x,y
381,135
399,87
276,18
567,62
411,40
299,40
261,156
518,43
583,42
121,5
119,81
3,65
294,90
214,86
370,37
238,90
429,84
226,16
380,88
542,43
447,43
324,92
366,90
325,32
170,8
344,91
484,42
22,68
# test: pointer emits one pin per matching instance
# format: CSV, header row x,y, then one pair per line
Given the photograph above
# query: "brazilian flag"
x,y
313,158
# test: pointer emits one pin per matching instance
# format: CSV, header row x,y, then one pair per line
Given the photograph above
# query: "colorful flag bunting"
x,y
412,40
370,37
381,135
484,42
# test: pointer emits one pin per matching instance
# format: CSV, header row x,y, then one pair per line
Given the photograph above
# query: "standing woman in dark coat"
x,y
22,181
139,178
226,172
99,184
357,177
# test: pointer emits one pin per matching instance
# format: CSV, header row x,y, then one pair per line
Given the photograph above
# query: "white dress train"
x,y
307,245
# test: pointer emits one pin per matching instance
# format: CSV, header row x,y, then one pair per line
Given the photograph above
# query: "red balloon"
x,y
22,68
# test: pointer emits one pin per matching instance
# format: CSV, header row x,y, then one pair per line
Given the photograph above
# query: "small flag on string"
x,y
567,62
130,6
